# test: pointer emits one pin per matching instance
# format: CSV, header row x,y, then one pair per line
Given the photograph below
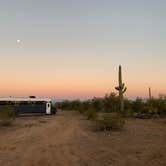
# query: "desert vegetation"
x,y
110,103
7,115
105,111
109,111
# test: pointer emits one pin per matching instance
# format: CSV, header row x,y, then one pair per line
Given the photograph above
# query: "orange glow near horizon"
x,y
77,85
66,88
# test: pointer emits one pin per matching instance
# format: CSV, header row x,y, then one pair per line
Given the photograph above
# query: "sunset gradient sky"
x,y
72,48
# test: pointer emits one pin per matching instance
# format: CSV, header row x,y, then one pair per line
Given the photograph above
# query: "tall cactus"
x,y
150,95
121,88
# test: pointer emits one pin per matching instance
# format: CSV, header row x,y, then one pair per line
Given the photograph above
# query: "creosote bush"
x,y
91,114
7,115
109,122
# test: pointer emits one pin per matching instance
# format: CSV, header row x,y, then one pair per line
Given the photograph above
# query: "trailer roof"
x,y
24,99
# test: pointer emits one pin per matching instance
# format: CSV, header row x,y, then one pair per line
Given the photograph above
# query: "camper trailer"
x,y
28,105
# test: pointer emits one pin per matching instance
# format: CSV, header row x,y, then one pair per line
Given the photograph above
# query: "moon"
x,y
18,40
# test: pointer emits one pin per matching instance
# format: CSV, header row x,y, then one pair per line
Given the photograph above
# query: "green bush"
x,y
111,103
91,114
138,105
7,115
97,104
110,122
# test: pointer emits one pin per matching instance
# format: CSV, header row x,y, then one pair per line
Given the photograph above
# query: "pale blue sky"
x,y
80,43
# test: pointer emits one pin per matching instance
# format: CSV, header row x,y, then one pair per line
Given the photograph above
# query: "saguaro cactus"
x,y
150,95
121,88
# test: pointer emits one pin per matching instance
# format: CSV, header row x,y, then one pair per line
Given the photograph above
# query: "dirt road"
x,y
67,139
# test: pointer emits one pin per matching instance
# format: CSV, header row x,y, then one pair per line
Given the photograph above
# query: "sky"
x,y
72,48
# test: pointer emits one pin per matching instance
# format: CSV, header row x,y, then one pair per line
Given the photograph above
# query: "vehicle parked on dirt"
x,y
28,105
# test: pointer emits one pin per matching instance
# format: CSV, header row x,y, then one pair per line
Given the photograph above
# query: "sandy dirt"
x,y
68,139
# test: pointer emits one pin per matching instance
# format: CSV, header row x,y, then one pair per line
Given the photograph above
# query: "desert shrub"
x,y
82,107
7,115
127,104
87,105
154,107
111,103
148,111
68,105
110,122
81,110
97,104
91,114
159,105
138,105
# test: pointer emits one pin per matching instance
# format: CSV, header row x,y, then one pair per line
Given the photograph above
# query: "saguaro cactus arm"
x,y
117,88
124,90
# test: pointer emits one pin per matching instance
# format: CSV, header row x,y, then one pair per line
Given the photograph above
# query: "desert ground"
x,y
68,139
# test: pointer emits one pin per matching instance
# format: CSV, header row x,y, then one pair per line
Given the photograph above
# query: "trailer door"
x,y
48,108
